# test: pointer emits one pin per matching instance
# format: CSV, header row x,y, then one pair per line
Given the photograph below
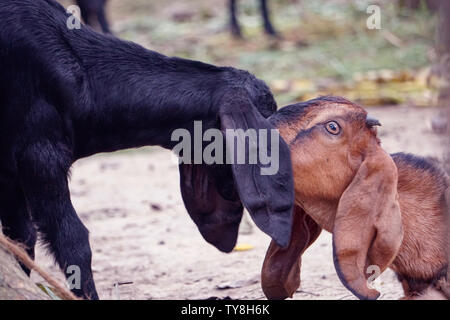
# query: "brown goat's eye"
x,y
333,127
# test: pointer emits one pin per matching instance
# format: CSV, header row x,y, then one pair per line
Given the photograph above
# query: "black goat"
x,y
67,94
236,29
93,14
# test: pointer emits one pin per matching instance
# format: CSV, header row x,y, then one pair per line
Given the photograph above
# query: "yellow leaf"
x,y
303,85
243,247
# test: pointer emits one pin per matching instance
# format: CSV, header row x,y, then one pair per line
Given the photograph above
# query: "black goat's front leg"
x,y
43,168
268,27
234,23
16,220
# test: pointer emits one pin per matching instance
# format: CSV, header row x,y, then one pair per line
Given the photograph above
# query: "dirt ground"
x,y
141,233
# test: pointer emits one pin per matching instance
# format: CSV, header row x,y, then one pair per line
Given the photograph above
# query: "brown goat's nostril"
x,y
371,122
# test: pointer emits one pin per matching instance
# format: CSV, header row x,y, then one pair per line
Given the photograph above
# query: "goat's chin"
x,y
430,293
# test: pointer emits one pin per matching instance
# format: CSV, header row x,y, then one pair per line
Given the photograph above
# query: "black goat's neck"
x,y
111,127
136,97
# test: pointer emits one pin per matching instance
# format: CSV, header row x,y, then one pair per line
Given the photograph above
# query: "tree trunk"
x,y
443,49
443,52
14,283
417,4
443,36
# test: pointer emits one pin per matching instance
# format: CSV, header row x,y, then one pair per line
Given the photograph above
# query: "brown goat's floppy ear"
x,y
268,198
217,218
368,226
280,276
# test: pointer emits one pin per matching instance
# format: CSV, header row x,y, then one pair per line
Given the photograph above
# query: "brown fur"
x,y
382,210
445,285
283,265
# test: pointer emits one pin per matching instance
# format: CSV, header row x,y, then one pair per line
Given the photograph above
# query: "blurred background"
x,y
322,45
145,245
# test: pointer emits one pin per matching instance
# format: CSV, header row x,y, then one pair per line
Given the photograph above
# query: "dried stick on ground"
x,y
14,284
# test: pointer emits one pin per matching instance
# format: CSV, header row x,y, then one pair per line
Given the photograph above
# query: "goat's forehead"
x,y
293,119
330,111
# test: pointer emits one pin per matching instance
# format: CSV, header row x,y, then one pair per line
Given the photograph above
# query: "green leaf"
x,y
49,291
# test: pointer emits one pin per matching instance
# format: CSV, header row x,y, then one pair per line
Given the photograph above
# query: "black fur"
x,y
67,94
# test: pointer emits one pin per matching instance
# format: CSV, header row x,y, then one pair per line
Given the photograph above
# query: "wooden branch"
x,y
15,284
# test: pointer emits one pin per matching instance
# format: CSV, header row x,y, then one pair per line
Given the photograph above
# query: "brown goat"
x,y
384,211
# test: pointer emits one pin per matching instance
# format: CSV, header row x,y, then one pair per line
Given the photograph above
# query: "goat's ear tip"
x,y
376,296
279,231
283,243
282,236
371,295
225,245
226,249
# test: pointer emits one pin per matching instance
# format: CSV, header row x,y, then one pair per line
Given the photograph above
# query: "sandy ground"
x,y
141,233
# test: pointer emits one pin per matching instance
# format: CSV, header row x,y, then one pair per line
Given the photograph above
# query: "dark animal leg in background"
x,y
102,20
234,24
93,14
16,221
85,14
43,173
268,27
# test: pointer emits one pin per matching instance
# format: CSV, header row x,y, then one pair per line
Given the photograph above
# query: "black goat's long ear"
x,y
265,189
217,218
